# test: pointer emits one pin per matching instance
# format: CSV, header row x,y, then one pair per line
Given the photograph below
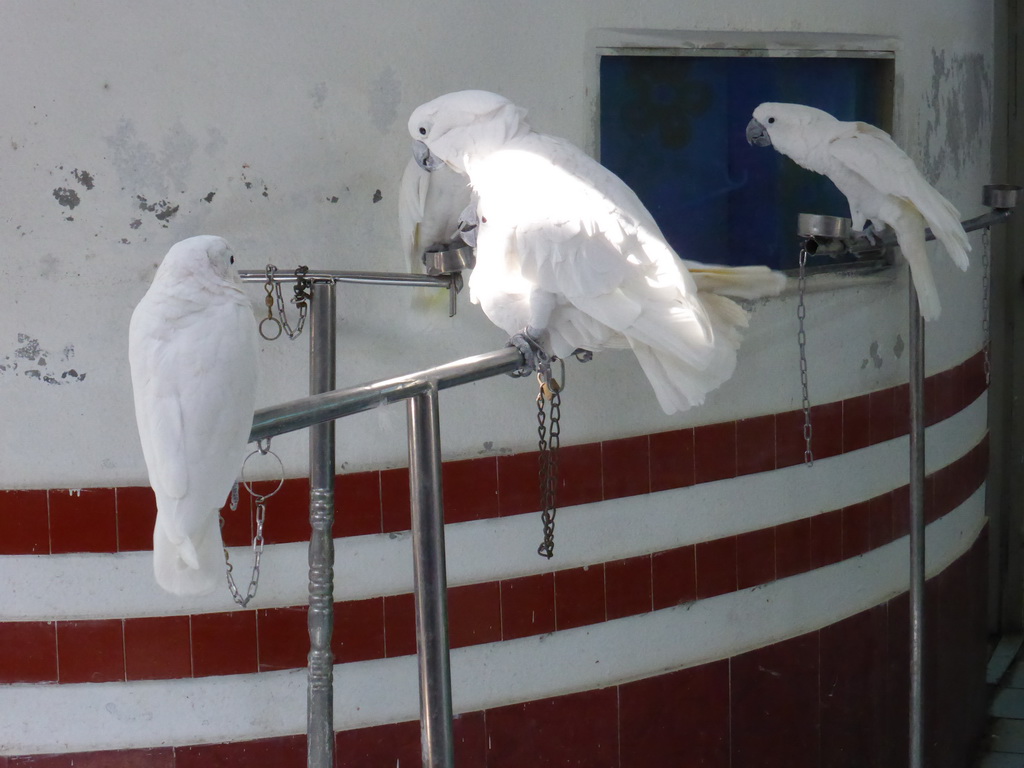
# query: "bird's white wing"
x,y
872,154
429,207
157,407
217,402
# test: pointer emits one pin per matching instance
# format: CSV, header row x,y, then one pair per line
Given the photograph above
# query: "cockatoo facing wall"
x,y
193,351
880,182
568,256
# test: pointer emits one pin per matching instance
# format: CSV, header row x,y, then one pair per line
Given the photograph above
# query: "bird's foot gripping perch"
x,y
535,359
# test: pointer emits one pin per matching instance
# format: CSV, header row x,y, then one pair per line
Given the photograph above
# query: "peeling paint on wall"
x,y
161,210
899,346
84,178
874,358
960,104
66,197
31,361
254,183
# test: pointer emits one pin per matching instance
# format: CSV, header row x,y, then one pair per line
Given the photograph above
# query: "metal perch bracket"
x,y
834,235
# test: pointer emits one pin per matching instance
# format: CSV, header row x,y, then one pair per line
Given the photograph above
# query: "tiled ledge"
x,y
56,521
240,642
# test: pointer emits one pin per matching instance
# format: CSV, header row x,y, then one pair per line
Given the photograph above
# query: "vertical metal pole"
x,y
917,549
431,583
320,692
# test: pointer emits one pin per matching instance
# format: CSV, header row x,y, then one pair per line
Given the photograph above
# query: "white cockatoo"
x,y
880,182
193,351
569,258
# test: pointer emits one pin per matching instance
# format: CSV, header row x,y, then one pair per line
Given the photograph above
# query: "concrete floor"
x,y
1004,747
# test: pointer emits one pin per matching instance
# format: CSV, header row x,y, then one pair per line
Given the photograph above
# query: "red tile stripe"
x,y
239,642
51,521
832,696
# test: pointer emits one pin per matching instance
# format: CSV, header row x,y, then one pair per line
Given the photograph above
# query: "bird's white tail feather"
x,y
677,383
751,282
956,246
191,566
944,220
909,228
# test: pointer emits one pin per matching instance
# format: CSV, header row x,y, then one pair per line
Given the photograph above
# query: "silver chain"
x,y
986,289
257,550
274,325
549,429
801,338
257,541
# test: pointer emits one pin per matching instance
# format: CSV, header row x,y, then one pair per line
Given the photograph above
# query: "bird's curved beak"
x,y
757,136
424,159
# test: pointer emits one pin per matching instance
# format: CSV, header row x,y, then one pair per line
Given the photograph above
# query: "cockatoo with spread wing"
x,y
880,182
193,351
569,258
436,209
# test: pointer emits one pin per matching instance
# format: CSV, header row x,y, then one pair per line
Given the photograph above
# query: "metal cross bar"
x,y
333,276
307,411
859,245
318,411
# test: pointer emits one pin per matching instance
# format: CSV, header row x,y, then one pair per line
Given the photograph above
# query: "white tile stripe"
x,y
95,586
84,717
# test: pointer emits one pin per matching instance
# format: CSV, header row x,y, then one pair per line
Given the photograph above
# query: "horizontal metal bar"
x,y
326,275
888,239
307,411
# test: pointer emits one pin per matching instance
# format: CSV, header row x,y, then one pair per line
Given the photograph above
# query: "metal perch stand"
x,y
318,412
827,234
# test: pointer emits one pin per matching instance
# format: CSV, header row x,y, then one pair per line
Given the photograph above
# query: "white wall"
x,y
162,105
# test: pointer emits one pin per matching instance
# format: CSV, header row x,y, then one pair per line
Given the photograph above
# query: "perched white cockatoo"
x,y
193,351
434,209
880,182
569,258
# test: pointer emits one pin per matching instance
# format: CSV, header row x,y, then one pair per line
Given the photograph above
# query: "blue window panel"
x,y
673,128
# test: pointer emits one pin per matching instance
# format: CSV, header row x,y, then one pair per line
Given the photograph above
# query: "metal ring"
x,y
247,483
276,322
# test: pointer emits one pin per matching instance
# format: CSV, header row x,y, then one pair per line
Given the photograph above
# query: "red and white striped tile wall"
x,y
835,690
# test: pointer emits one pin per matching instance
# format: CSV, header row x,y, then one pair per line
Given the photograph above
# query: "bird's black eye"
x,y
423,131
771,120
232,259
